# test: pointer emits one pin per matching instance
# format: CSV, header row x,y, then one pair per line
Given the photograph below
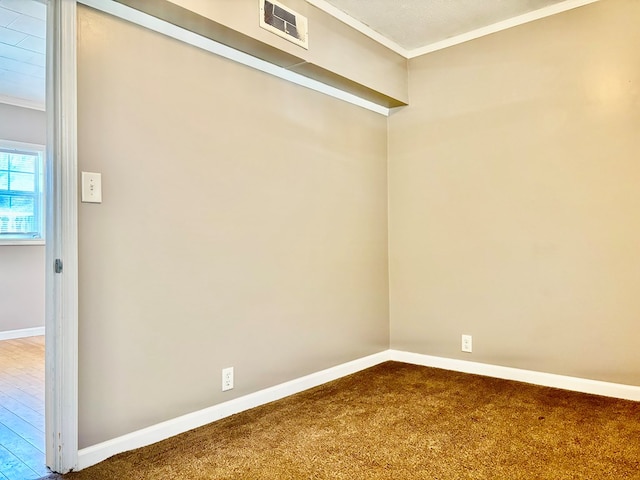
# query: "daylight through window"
x,y
21,193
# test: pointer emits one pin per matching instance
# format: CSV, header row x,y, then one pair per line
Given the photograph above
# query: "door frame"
x,y
61,297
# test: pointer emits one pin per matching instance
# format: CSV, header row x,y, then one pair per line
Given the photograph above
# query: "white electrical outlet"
x,y
227,379
467,343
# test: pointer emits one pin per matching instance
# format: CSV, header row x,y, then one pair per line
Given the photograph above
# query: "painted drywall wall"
x,y
514,198
22,267
243,223
21,287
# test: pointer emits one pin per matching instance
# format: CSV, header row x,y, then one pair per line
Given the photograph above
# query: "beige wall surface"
x,y
514,197
22,267
243,223
21,287
23,124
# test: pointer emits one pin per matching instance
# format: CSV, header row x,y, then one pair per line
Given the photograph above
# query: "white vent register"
x,y
284,22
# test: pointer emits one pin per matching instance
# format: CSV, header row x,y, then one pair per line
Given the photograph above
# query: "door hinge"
x,y
58,266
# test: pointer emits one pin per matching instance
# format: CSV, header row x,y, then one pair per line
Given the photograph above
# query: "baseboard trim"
x,y
22,333
583,385
155,433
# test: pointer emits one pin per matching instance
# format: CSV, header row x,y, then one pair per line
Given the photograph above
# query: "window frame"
x,y
17,239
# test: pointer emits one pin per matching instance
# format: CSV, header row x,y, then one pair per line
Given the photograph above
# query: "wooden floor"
x,y
22,409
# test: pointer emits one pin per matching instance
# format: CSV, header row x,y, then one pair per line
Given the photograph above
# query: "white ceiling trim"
x,y
359,26
449,42
497,27
20,102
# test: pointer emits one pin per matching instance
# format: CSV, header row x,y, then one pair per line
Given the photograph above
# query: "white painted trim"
x,y
22,333
583,385
161,431
61,319
21,102
449,42
359,26
497,27
97,453
165,28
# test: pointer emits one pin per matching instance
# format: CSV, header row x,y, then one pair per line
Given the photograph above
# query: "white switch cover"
x,y
91,187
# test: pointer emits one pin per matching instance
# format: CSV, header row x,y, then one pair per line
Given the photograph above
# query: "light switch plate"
x,y
91,187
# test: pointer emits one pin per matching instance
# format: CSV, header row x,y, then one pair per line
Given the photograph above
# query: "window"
x,y
21,192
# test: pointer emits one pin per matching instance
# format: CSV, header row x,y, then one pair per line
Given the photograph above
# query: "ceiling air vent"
x,y
284,22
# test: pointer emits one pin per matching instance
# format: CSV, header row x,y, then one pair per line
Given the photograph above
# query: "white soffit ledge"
x,y
449,42
165,28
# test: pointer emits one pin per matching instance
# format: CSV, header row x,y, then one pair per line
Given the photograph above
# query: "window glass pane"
x,y
21,195
22,204
22,163
24,182
17,215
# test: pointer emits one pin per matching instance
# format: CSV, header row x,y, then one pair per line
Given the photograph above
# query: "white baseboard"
x,y
583,385
22,333
140,438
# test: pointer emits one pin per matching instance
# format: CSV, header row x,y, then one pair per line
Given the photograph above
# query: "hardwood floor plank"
x,y
23,397
22,441
22,428
30,415
22,449
22,418
13,468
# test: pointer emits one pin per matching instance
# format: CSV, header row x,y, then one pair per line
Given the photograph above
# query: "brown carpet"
x,y
398,421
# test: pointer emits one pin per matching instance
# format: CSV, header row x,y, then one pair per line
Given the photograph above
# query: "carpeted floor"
x,y
398,421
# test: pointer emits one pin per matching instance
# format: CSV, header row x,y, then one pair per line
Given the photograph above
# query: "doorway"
x,y
23,134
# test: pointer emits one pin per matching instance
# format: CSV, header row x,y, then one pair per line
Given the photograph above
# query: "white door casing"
x,y
61,321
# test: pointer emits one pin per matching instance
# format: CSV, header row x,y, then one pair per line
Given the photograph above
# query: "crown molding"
x,y
499,26
449,42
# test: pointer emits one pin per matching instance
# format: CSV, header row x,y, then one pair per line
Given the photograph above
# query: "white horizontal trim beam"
x,y
22,333
165,28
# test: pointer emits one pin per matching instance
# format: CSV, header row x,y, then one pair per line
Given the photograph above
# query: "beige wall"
x,y
23,124
21,287
22,267
514,197
243,224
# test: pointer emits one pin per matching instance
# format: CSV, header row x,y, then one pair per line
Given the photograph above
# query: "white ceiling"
x,y
416,23
416,27
22,52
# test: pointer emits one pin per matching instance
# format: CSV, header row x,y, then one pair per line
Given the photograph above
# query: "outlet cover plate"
x,y
467,343
227,379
